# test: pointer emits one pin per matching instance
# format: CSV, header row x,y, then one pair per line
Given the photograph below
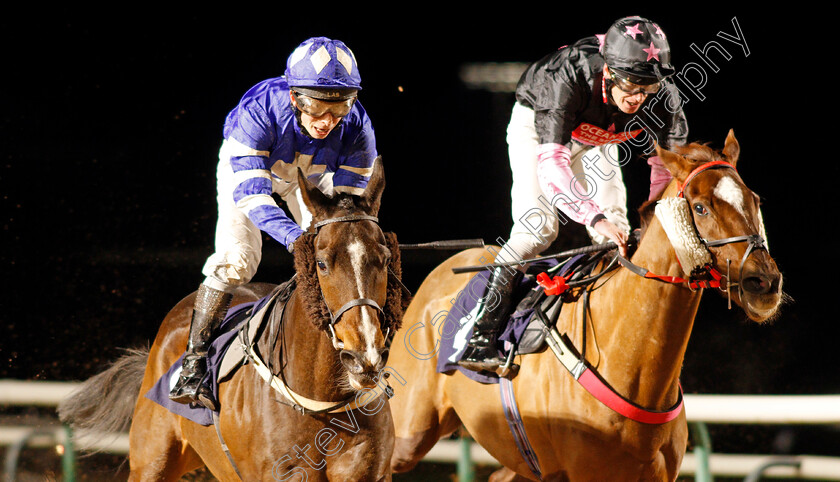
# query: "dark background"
x,y
111,124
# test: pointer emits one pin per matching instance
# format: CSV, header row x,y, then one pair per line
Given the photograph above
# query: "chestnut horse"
x,y
637,330
331,348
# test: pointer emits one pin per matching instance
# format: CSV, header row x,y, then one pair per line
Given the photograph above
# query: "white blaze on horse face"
x,y
369,328
729,191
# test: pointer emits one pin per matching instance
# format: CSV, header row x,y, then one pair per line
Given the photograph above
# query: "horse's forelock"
x,y
698,152
346,202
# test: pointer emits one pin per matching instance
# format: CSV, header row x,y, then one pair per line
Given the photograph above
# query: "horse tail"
x,y
105,402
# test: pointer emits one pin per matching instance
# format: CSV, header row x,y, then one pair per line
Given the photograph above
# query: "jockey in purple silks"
x,y
309,119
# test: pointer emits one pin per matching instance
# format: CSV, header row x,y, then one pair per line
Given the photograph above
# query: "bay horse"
x,y
329,347
636,332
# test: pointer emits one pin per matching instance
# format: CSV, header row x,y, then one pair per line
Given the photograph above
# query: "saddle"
x,y
543,291
225,355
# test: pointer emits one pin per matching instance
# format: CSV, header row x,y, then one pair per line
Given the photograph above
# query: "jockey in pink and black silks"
x,y
617,82
581,114
310,119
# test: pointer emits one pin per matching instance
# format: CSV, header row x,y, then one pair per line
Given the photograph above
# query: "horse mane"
x,y
310,290
696,152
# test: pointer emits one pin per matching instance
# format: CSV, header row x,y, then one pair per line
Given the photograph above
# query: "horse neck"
x,y
645,325
309,363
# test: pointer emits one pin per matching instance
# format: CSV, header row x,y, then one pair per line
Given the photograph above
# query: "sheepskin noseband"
x,y
675,216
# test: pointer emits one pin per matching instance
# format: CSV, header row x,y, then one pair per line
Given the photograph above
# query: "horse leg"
x,y
506,475
422,413
158,451
423,425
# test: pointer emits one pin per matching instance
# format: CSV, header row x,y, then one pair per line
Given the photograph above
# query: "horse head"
x,y
343,262
727,219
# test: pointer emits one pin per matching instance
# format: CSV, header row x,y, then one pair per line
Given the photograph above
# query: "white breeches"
x,y
536,222
238,242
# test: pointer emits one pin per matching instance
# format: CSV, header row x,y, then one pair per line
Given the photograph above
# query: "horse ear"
x,y
677,165
731,148
376,184
313,198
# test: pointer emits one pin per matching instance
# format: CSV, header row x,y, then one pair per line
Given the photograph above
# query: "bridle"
x,y
300,403
708,276
337,343
265,370
754,241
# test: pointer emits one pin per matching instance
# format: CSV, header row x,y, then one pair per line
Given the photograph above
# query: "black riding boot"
x,y
481,352
210,309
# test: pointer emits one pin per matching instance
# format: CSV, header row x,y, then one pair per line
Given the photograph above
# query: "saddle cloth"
x,y
225,355
523,332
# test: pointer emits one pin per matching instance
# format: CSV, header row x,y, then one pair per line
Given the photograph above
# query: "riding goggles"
x,y
317,107
632,88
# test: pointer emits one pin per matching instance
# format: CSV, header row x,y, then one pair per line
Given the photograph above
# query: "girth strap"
x,y
224,444
517,427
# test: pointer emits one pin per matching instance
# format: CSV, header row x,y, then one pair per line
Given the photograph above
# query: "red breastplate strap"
x,y
608,397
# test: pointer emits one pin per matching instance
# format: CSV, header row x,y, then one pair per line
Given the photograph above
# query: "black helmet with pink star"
x,y
637,49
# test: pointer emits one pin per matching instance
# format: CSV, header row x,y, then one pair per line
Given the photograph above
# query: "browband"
x,y
351,217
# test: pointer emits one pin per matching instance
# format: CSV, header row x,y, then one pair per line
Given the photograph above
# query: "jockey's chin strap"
x,y
337,343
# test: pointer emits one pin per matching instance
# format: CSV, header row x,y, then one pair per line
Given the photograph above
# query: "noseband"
x,y
336,315
754,241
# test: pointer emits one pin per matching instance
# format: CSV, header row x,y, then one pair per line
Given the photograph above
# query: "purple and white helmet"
x,y
323,64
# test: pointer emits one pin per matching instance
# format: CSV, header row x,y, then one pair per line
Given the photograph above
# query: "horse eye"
x,y
701,210
321,264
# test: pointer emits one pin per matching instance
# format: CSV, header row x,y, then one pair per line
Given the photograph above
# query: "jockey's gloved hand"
x,y
290,244
614,233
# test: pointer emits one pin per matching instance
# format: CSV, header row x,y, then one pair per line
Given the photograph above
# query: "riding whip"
x,y
447,244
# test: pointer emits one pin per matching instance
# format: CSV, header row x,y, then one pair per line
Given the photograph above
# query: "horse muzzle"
x,y
364,368
760,288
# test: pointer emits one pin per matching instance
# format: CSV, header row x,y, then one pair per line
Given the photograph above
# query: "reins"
x,y
575,361
705,277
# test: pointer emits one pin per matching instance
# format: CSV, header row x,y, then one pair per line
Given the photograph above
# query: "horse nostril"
x,y
759,284
351,361
383,355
